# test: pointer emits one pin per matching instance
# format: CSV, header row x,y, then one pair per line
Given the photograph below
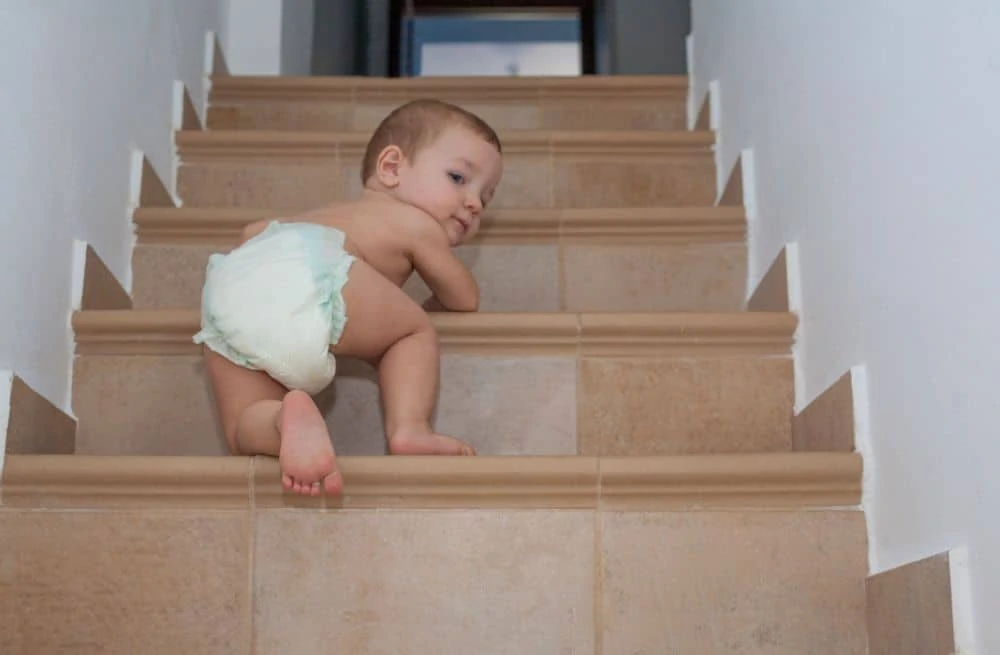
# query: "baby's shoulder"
x,y
400,226
408,217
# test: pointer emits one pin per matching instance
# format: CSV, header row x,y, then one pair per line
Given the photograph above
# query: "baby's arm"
x,y
447,277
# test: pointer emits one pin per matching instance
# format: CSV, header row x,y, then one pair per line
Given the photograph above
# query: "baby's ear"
x,y
388,165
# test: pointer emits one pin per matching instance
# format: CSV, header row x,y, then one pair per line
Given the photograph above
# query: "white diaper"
x,y
274,304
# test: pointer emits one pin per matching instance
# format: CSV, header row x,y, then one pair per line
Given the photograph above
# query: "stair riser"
x,y
667,113
530,180
517,277
387,581
505,405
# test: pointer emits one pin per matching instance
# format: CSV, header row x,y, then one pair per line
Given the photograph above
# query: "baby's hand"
x,y
444,273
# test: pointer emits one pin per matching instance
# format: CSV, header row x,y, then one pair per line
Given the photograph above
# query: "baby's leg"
x,y
386,326
261,417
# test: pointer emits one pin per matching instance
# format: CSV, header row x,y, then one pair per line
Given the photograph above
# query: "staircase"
x,y
640,487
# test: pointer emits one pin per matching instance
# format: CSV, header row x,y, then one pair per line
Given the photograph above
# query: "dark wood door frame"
x,y
586,9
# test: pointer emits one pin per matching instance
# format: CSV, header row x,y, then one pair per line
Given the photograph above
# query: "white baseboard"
x,y
715,105
793,278
863,446
136,158
749,180
207,67
715,124
176,123
78,264
962,618
78,269
6,380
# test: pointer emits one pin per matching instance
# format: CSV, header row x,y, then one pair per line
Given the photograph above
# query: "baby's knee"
x,y
423,326
424,323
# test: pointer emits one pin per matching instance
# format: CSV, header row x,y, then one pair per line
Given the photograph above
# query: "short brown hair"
x,y
417,123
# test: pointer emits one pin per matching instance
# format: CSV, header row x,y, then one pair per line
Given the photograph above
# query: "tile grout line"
x,y
539,108
252,559
550,158
578,319
598,567
561,261
577,366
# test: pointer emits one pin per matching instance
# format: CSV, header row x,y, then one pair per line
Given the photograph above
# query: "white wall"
x,y
254,37
270,37
877,147
83,83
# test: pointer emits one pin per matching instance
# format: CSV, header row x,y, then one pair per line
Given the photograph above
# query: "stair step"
x,y
359,104
436,555
627,225
614,259
512,384
643,483
301,170
598,334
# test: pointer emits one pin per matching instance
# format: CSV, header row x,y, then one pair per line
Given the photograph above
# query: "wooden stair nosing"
x,y
611,334
226,145
230,89
683,482
675,224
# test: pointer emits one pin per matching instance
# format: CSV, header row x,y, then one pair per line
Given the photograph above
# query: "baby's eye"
x,y
457,178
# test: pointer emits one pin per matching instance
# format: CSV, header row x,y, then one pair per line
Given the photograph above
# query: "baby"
x,y
299,291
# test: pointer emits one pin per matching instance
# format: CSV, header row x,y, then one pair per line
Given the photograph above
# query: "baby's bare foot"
x,y
421,441
306,455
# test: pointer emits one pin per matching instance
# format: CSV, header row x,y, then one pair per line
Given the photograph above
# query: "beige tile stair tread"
x,y
542,259
361,89
597,225
511,384
688,482
169,332
345,103
543,168
193,145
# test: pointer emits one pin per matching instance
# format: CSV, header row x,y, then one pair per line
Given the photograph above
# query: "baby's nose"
x,y
473,203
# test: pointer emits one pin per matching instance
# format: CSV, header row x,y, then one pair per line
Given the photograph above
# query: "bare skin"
x,y
260,416
392,232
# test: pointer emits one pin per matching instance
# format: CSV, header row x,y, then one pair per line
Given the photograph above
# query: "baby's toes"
x,y
333,483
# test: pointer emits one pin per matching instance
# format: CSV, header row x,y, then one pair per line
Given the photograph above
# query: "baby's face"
x,y
453,179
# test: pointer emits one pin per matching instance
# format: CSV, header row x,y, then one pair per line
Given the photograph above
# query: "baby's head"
x,y
437,157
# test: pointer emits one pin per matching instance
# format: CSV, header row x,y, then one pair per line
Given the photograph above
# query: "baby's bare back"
x,y
397,239
373,234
